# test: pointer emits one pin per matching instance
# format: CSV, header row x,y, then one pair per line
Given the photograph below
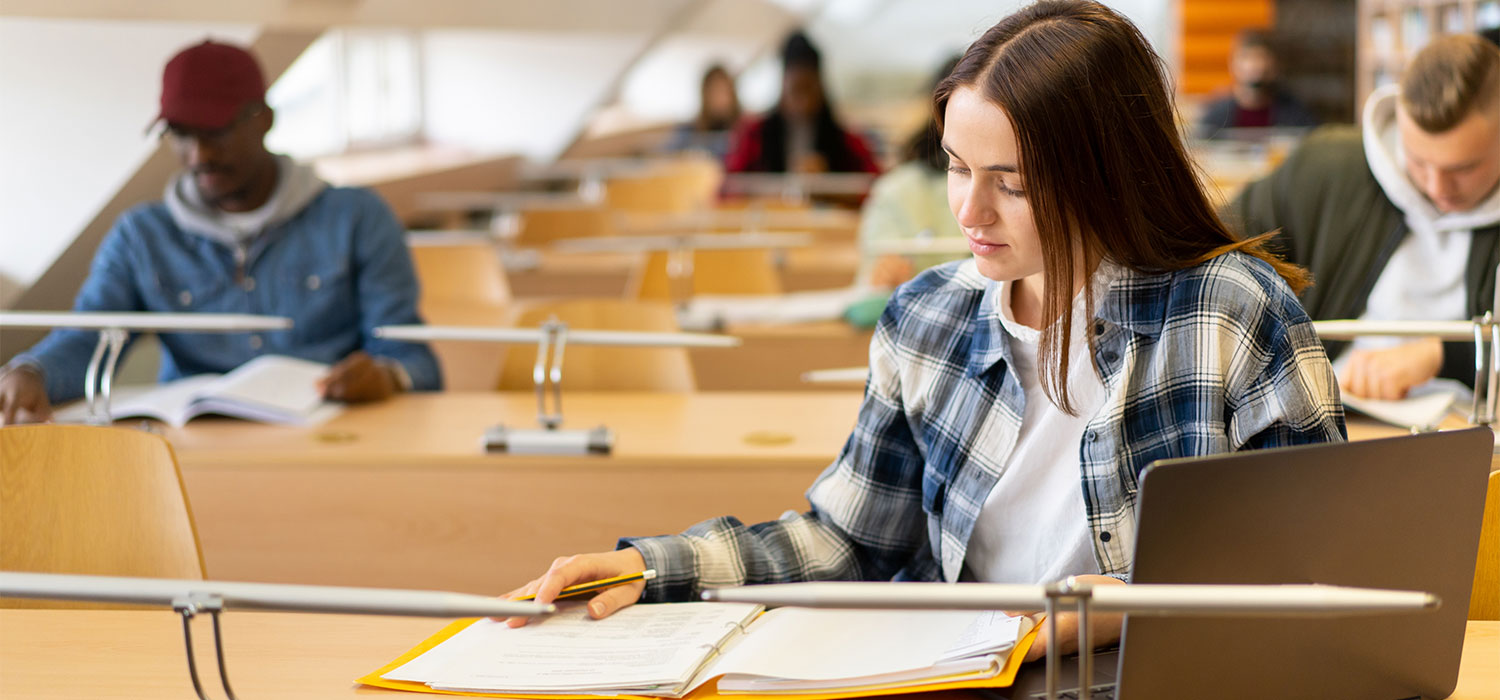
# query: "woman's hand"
x,y
582,568
1103,628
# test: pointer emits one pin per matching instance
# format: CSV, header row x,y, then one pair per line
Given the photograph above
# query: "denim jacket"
x,y
338,268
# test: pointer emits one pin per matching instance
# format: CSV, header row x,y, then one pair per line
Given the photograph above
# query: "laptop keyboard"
x,y
1099,692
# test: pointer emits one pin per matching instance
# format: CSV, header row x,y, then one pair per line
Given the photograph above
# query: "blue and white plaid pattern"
x,y
1215,358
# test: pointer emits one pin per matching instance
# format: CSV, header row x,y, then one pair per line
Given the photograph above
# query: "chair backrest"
x,y
680,185
459,272
603,368
713,272
541,226
1484,602
93,500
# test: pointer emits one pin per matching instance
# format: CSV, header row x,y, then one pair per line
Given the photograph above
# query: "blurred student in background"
x,y
242,230
909,202
1400,221
718,111
1255,100
802,135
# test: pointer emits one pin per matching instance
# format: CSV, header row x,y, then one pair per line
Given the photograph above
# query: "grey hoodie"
x,y
296,187
1424,278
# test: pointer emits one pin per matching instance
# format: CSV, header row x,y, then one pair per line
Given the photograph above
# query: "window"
x,y
350,90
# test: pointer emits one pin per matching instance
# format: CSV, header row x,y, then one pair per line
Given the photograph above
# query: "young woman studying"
x,y
1107,319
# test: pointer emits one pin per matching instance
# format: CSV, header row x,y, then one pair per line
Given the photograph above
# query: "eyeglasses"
x,y
181,135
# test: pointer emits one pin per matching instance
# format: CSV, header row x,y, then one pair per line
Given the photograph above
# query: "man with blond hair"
x,y
1399,219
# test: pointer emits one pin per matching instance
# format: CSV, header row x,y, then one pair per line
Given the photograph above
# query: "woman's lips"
x,y
979,247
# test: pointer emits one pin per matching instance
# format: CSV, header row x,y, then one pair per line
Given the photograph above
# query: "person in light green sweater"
x,y
908,202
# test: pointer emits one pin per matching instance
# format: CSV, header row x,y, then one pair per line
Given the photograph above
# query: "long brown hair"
x,y
1106,172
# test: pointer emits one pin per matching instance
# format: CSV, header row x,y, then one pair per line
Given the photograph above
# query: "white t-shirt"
x,y
1033,527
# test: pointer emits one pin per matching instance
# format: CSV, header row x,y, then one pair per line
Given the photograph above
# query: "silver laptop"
x,y
1398,513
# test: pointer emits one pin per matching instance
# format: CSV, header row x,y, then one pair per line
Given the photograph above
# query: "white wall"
x,y
494,91
861,37
77,97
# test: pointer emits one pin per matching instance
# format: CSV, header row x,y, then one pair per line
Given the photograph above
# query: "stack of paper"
x,y
673,650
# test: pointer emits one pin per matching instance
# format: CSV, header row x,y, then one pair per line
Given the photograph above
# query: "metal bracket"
x,y
98,379
548,372
188,607
1070,590
1486,364
546,376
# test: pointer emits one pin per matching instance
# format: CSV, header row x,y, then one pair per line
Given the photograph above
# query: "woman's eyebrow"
x,y
987,168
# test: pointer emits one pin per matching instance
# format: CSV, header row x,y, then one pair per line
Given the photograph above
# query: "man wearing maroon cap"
x,y
242,230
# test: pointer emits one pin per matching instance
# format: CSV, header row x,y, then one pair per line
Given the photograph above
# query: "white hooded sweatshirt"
x,y
1424,279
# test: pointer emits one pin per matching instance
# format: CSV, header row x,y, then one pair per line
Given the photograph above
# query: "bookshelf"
x,y
1390,32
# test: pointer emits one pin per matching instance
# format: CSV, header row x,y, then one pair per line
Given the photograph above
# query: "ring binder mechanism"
x,y
551,437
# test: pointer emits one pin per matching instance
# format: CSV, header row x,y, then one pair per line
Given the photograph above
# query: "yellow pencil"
x,y
599,585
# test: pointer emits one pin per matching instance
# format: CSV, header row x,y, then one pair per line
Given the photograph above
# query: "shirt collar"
x,y
1133,300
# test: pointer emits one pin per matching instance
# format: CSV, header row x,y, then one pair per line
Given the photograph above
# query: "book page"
x,y
272,388
168,403
643,648
848,645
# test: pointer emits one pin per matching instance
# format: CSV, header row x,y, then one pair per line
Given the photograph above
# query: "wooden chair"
x,y
601,368
681,185
93,500
463,272
463,283
1484,603
542,226
713,272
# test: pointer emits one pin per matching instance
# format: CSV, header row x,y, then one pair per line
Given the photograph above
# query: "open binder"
x,y
731,666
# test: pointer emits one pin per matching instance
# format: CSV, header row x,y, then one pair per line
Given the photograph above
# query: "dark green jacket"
x,y
1337,222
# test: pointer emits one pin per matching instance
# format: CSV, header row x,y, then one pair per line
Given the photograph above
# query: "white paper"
x,y
668,650
1423,408
827,645
711,311
640,647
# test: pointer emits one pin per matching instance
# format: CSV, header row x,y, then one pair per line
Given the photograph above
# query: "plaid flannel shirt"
x,y
1211,359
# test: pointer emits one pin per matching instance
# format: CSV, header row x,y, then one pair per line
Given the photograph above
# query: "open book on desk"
x,y
268,389
700,650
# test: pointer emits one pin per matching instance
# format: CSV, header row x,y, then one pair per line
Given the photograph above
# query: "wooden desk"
x,y
400,494
774,357
134,654
1362,428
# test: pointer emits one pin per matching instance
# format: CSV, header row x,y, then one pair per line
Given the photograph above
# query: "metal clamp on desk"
x,y
188,606
99,378
1070,590
550,438
1486,363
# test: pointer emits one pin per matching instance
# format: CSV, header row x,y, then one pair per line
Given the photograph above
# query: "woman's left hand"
x,y
1104,629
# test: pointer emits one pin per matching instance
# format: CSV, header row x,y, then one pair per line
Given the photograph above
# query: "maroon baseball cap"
x,y
205,86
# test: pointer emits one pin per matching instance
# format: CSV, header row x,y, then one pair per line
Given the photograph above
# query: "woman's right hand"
x,y
582,568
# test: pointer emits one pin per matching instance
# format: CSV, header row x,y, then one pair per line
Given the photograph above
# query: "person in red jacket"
x,y
801,135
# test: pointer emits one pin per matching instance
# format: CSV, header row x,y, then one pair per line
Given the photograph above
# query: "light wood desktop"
x,y
400,494
133,654
774,356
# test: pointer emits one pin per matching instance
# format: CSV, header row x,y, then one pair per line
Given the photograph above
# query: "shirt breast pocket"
x,y
320,297
195,290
